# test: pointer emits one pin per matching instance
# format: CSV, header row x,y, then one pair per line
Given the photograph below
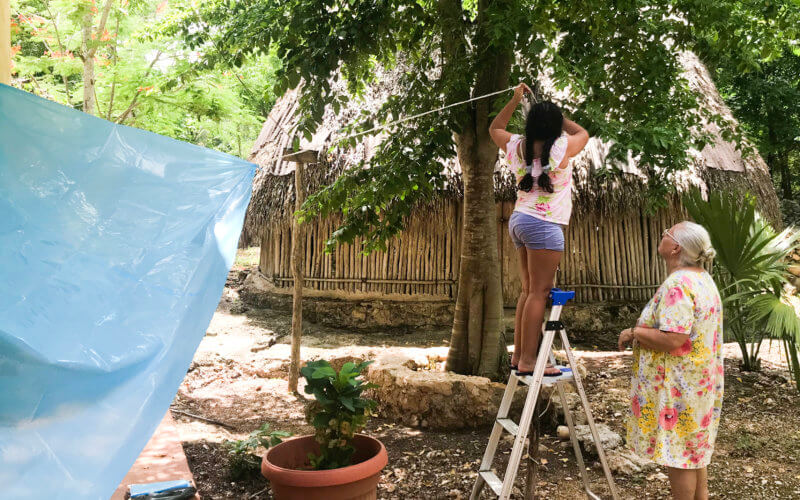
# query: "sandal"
x,y
527,374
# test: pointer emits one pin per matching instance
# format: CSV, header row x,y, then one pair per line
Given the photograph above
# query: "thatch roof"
x,y
720,166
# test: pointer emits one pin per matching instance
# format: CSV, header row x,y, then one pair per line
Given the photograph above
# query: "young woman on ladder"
x,y
540,162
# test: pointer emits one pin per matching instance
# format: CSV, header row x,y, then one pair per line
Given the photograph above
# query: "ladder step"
x,y
566,376
509,426
492,480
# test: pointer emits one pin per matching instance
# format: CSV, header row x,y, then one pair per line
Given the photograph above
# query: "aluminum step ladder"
x,y
502,487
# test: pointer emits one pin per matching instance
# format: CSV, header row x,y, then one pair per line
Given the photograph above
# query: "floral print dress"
x,y
676,397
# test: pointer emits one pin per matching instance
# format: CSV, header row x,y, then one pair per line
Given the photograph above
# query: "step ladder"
x,y
502,488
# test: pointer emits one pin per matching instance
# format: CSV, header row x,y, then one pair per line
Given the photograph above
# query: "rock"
x,y
574,403
658,476
259,290
795,269
608,438
562,432
626,462
435,399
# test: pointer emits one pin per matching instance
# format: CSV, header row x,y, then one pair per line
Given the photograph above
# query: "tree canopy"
x,y
141,74
617,61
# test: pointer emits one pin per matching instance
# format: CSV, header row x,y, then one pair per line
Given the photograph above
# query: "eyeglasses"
x,y
667,233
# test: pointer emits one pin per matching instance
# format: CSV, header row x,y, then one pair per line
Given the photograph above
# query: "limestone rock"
x,y
627,462
434,399
574,404
354,310
608,438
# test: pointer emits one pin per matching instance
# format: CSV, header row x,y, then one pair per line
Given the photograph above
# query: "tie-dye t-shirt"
x,y
553,207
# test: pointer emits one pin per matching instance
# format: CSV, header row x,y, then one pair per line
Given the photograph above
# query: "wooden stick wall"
x,y
605,259
421,260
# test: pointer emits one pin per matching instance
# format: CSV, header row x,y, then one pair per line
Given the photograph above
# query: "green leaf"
x,y
348,403
324,372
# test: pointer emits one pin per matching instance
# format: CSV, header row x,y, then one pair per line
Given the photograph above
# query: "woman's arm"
x,y
652,338
577,137
658,340
497,130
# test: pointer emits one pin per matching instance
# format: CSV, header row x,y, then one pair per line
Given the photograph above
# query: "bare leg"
x,y
701,492
683,483
542,265
523,274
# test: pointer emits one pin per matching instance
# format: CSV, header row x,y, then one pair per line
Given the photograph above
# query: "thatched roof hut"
x,y
610,244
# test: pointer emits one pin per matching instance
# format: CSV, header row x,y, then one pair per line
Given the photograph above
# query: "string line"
x,y
401,120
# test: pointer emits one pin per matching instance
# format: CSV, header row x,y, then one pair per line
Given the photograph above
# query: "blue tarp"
x,y
114,249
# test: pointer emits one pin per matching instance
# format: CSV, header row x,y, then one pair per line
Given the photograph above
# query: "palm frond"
x,y
777,318
751,271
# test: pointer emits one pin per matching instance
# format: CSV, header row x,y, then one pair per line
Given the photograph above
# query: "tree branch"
x,y
125,114
114,81
60,47
102,26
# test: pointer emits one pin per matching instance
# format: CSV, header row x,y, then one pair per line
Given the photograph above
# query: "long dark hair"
x,y
544,123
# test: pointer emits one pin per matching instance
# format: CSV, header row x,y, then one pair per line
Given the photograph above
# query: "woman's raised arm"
x,y
577,137
497,130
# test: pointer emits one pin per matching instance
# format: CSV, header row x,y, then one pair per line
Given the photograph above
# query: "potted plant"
x,y
336,463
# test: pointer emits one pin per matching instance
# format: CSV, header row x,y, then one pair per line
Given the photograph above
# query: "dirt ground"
x,y
238,381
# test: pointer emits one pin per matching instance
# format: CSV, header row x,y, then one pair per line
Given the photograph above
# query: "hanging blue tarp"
x,y
114,249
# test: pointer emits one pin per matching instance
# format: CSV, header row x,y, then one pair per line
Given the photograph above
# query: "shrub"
x,y
242,460
340,411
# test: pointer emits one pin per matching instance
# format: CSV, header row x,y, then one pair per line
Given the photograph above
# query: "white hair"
x,y
695,243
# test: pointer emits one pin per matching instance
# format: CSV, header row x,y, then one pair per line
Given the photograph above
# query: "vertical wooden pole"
x,y
533,454
5,42
298,260
297,274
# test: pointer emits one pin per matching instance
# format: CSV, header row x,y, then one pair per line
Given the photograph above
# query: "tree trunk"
x,y
5,42
88,64
88,50
477,342
477,345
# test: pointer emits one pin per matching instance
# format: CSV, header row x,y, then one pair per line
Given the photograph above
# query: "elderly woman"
x,y
677,380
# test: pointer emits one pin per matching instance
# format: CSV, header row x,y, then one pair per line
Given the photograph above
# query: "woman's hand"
x,y
521,90
625,338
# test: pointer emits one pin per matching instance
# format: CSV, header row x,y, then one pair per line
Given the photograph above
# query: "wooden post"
x,y
298,259
5,42
531,478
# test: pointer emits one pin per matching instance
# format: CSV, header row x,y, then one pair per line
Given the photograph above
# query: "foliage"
x,y
247,257
767,102
790,208
617,62
750,271
764,94
243,462
144,77
341,412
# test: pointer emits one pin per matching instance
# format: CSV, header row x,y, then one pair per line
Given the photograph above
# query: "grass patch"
x,y
747,444
247,257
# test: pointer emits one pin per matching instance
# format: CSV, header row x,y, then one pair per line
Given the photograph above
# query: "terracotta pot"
x,y
282,466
